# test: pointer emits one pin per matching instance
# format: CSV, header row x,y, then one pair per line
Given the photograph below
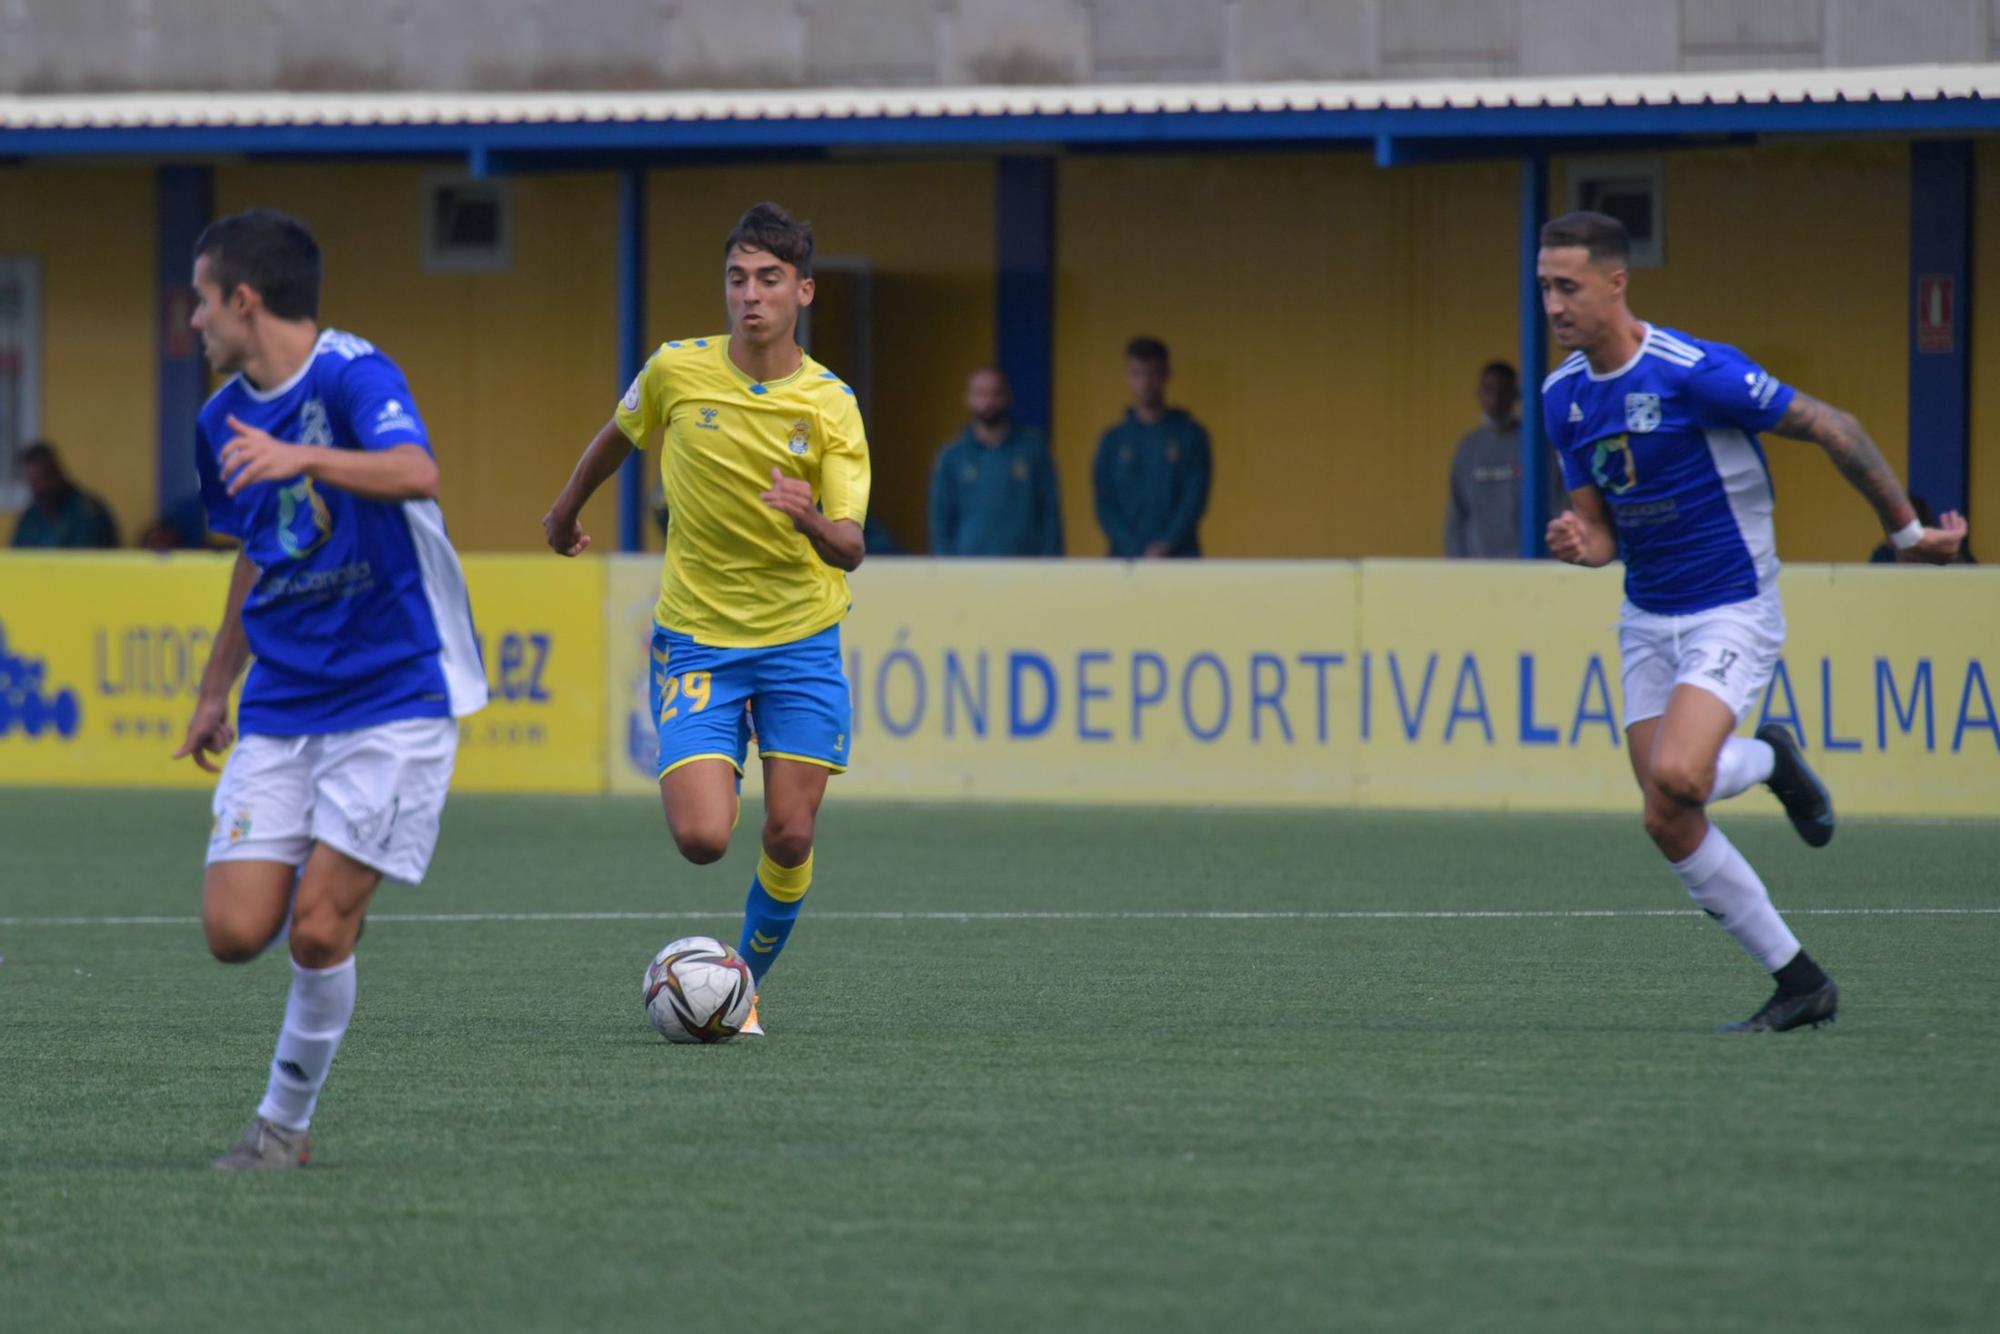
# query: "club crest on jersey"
x,y
304,522
1642,413
1611,466
798,441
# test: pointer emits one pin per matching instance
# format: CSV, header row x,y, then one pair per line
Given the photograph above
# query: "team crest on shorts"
x,y
798,443
1642,412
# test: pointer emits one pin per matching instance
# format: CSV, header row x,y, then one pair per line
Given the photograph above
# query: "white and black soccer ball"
x,y
698,990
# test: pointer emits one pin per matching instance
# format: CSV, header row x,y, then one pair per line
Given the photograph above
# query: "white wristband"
x,y
1907,536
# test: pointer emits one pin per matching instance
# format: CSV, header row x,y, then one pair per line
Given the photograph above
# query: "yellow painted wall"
x,y
514,371
926,229
1327,320
1799,255
1983,493
91,228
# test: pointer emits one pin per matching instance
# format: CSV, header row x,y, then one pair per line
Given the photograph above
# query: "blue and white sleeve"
x,y
1729,389
381,413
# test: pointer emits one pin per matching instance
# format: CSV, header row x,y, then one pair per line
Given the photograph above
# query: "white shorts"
x,y
1728,651
375,794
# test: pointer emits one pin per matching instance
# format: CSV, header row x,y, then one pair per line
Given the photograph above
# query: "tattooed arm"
x,y
1840,434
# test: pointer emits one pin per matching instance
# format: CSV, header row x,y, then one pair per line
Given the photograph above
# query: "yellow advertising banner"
x,y
101,656
1382,683
1395,684
540,621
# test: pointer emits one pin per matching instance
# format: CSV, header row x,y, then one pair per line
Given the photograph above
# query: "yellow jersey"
x,y
737,574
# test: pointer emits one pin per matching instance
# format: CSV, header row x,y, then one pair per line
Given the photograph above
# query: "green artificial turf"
x,y
980,1110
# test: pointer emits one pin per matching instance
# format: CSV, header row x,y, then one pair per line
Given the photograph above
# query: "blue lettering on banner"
x,y
1020,665
1273,699
151,661
516,671
1593,671
1468,674
1781,679
901,656
1187,697
1828,739
1367,703
973,694
1412,726
1890,700
1319,662
1974,675
1532,735
1144,697
1086,691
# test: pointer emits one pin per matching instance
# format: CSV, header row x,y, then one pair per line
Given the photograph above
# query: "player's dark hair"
x,y
1149,350
271,253
1599,233
1504,369
41,452
768,227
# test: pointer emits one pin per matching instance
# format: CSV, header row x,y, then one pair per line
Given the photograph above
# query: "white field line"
x,y
1303,915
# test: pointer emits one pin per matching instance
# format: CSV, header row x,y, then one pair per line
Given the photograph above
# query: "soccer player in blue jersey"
x,y
349,598
765,466
1657,431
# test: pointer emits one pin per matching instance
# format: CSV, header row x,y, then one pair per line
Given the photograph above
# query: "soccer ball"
x,y
698,990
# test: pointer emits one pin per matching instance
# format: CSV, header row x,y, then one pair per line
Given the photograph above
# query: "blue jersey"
x,y
359,615
1670,440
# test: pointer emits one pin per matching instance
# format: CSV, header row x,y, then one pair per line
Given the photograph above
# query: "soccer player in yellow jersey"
x,y
765,467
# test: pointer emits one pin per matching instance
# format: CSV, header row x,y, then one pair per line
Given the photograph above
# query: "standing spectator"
x,y
1153,468
60,513
993,490
1483,519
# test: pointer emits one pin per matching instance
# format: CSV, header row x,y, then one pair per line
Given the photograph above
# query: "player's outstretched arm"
x,y
1582,534
1840,434
601,460
406,472
209,731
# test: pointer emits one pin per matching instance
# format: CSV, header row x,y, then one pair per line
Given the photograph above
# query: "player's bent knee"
x,y
321,941
1684,784
702,846
230,944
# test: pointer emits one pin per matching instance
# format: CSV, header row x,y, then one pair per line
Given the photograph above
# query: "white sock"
x,y
1743,763
1728,890
316,1015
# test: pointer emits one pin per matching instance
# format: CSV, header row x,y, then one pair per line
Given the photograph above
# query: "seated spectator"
x,y
1153,468
993,488
60,513
1886,554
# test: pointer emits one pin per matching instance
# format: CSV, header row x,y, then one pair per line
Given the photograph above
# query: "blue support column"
x,y
1025,290
1534,358
183,199
1940,300
631,344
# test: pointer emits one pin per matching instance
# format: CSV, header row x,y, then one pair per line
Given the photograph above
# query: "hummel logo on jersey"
x,y
708,416
1642,413
1720,672
1575,413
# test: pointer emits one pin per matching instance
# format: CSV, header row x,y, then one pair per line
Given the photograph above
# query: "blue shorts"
x,y
706,700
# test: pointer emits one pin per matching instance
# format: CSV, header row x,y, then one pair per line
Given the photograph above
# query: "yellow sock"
x,y
787,884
